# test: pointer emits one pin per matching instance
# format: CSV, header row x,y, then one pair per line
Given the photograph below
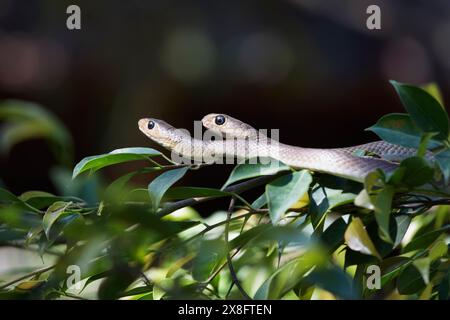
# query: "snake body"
x,y
243,142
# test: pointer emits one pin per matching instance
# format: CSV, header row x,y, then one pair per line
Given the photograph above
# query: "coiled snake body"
x,y
242,141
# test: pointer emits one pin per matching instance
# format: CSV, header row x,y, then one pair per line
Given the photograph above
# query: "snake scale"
x,y
243,141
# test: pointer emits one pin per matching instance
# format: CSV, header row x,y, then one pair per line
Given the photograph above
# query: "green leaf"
x,y
334,280
439,249
433,89
288,276
324,199
211,252
52,214
162,183
443,160
247,171
410,281
260,202
26,120
425,240
415,172
425,110
383,205
95,163
41,199
268,233
7,197
285,191
391,268
29,285
333,236
177,265
403,223
398,128
116,187
358,239
423,265
136,291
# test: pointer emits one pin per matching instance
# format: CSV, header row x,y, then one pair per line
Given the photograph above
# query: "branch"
x,y
28,275
237,188
229,262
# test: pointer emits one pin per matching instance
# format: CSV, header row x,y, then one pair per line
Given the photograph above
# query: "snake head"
x,y
161,132
228,126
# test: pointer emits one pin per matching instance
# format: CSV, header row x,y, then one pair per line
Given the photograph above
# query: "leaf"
x,y
410,281
26,120
334,280
391,268
179,264
29,285
403,223
136,291
247,171
260,202
425,240
416,172
423,265
363,200
443,161
95,163
34,194
288,276
285,191
41,199
162,183
324,199
268,233
425,110
437,250
383,205
333,236
52,214
211,252
7,197
358,239
115,188
426,293
398,128
433,89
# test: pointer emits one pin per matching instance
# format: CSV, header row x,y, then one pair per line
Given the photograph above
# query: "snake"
x,y
242,141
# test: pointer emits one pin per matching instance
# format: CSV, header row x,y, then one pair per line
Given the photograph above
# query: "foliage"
x,y
307,235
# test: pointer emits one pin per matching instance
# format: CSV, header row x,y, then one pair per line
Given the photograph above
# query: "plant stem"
x,y
28,275
237,188
229,262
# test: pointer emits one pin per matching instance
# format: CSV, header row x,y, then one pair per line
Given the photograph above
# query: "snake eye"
x,y
151,125
219,120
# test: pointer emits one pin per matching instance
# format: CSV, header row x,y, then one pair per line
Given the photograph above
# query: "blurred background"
x,y
310,68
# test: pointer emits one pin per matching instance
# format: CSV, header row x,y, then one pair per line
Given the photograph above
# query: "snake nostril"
x,y
151,125
219,120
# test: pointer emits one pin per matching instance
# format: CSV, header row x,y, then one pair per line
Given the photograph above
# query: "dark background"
x,y
310,68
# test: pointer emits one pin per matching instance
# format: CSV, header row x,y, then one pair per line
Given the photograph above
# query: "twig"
x,y
237,188
229,262
28,275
